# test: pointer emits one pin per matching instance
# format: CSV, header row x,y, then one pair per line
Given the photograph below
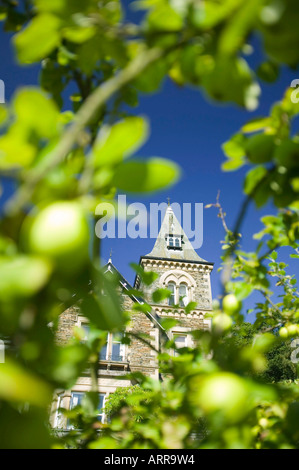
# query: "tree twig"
x,y
88,110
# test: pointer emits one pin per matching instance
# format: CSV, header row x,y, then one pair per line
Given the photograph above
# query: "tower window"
x,y
171,300
183,295
174,242
179,294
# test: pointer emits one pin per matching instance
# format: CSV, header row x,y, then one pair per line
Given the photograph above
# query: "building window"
x,y
113,350
174,242
76,400
172,299
59,417
104,351
101,405
85,327
179,294
117,348
183,295
180,341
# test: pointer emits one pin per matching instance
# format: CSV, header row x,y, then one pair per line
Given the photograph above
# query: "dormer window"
x,y
174,242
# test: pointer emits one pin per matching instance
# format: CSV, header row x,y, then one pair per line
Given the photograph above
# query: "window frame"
x,y
172,242
175,297
101,414
83,323
180,335
182,331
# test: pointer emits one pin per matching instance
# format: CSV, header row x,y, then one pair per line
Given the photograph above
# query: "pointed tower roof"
x,y
171,228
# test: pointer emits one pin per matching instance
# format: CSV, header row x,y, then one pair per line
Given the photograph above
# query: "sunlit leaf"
x,y
151,175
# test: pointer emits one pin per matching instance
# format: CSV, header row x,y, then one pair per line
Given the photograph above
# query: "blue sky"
x,y
190,130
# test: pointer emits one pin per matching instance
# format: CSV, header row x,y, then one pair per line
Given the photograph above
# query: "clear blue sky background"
x,y
190,130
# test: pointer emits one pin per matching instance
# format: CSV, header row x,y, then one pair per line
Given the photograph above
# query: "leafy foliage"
x,y
67,146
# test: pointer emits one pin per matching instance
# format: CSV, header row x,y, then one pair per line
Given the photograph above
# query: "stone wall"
x,y
67,321
141,356
200,274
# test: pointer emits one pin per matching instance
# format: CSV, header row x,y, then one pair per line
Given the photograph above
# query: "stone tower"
x,y
184,273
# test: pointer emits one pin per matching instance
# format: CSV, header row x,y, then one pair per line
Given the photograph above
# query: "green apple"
x,y
60,231
287,154
292,330
222,322
264,422
222,392
283,333
231,304
259,148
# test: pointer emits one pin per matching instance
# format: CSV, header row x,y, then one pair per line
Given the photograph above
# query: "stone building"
x,y
179,269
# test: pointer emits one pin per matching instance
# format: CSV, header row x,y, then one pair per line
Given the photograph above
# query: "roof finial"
x,y
168,199
110,256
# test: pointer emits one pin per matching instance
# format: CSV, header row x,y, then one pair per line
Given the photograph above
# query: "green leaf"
x,y
160,294
257,124
168,323
233,164
164,18
260,148
235,147
208,14
237,28
3,114
15,152
254,177
119,141
231,80
268,71
22,276
28,104
191,306
37,40
147,277
140,177
242,290
151,79
18,384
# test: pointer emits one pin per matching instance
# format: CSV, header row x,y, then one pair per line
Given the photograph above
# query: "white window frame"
x,y
182,331
177,297
82,322
185,345
173,295
171,242
101,414
58,418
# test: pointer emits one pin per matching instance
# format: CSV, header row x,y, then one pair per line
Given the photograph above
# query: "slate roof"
x,y
171,226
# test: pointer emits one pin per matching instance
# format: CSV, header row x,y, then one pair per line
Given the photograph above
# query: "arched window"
x,y
183,295
170,243
177,243
181,285
171,299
